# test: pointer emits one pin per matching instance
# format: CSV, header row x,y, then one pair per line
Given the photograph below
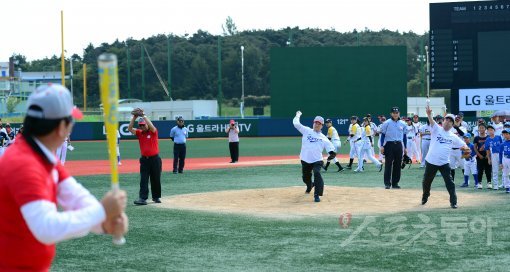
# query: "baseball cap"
x,y
507,124
52,102
467,135
232,121
328,120
505,131
439,116
416,115
461,114
180,118
481,121
141,121
318,119
395,109
451,116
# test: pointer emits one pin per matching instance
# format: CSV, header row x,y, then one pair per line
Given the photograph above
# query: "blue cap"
x,y
505,131
467,135
507,124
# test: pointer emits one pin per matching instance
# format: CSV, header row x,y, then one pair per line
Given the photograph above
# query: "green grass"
x,y
172,240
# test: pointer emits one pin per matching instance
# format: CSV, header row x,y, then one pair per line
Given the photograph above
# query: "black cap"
x,y
439,117
490,126
395,109
328,121
180,118
461,114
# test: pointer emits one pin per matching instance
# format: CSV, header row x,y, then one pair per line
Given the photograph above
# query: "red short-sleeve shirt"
x,y
148,142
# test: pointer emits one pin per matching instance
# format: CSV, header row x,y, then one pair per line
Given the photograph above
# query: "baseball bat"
x,y
109,88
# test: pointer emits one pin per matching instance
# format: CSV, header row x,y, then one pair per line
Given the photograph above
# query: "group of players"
x,y
489,153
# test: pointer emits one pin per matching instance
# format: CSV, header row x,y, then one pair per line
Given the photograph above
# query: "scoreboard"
x,y
470,45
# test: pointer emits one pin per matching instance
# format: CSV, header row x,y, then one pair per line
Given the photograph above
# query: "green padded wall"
x,y
338,81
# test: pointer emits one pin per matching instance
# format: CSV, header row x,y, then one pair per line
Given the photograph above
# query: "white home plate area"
x,y
292,202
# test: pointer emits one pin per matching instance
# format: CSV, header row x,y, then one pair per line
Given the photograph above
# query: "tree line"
x,y
194,61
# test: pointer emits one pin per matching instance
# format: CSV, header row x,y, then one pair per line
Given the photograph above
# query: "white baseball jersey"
x,y
354,130
312,143
441,145
333,133
417,127
498,128
373,128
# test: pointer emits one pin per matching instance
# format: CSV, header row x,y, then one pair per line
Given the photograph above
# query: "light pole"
x,y
242,81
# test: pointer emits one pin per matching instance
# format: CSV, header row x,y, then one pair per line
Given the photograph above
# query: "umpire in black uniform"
x,y
393,139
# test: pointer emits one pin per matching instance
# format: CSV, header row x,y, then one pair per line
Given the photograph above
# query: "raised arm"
x,y
131,124
429,115
297,124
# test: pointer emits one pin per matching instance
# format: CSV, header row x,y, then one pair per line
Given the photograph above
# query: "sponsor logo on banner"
x,y
484,99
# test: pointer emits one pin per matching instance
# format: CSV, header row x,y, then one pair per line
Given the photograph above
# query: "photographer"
x,y
233,141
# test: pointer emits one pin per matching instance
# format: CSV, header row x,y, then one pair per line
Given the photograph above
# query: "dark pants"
x,y
150,168
393,161
482,165
428,177
307,169
179,156
234,151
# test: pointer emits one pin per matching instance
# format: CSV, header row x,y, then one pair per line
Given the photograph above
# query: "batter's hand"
x,y
298,114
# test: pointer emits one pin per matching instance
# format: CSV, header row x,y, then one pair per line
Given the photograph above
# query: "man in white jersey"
x,y
417,138
312,144
335,140
425,142
382,119
412,149
498,126
354,140
438,157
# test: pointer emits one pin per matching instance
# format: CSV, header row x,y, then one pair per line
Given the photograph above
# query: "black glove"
x,y
332,155
406,160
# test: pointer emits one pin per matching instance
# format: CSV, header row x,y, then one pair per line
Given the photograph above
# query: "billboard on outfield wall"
x,y
338,81
88,131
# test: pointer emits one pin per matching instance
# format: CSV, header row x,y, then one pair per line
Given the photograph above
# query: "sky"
x,y
32,27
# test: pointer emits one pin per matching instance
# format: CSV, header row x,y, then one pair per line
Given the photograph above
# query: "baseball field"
x,y
254,216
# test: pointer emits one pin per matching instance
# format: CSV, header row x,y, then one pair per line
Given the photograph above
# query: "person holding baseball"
x,y
233,141
41,203
438,158
312,144
150,162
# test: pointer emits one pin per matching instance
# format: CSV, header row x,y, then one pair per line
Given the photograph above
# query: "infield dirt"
x,y
292,202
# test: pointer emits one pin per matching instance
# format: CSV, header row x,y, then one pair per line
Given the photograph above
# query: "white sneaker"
x,y
501,186
357,170
479,186
489,186
120,163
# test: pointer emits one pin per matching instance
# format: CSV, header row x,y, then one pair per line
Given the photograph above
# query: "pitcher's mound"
x,y
292,202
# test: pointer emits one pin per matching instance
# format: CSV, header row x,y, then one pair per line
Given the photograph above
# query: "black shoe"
x,y
326,167
387,187
364,161
341,169
454,206
175,172
348,167
395,187
309,189
232,162
424,200
156,200
380,167
180,172
140,202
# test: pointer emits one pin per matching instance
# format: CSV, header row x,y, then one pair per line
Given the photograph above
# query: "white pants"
x,y
506,172
470,167
355,146
381,156
456,159
366,149
425,143
62,152
495,168
417,141
412,150
336,143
